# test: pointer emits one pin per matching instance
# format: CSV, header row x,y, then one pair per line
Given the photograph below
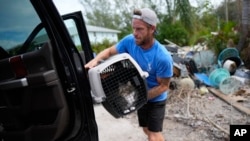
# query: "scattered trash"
x,y
220,78
229,59
242,75
223,79
217,76
225,72
177,70
211,97
230,65
187,83
204,61
203,78
230,85
203,90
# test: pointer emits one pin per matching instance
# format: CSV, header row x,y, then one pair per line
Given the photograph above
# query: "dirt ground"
x,y
190,116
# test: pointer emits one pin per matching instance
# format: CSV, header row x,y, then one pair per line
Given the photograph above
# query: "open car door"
x,y
44,89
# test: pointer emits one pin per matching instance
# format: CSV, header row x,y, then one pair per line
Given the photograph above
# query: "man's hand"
x,y
91,64
106,53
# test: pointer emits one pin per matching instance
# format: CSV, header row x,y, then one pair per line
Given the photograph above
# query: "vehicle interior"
x,y
30,90
45,93
38,96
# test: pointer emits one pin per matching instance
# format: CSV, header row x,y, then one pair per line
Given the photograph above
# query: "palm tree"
x,y
183,9
180,9
244,44
245,21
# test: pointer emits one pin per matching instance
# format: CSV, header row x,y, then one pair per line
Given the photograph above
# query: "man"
x,y
152,58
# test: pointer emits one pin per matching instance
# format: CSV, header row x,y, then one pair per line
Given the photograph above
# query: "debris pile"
x,y
209,93
225,72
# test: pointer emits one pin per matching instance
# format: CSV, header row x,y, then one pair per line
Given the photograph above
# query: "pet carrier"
x,y
120,84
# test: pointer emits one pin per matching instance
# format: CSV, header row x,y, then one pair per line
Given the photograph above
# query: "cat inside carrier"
x,y
119,84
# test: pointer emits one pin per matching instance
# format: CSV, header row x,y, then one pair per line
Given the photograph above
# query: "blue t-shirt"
x,y
157,61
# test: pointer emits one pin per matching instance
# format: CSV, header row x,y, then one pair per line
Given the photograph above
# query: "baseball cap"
x,y
147,15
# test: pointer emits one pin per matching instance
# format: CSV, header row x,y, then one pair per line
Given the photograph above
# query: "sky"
x,y
68,6
214,2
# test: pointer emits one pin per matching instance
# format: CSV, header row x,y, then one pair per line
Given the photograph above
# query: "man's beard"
x,y
143,41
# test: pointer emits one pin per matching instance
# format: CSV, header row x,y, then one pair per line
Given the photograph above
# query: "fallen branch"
x,y
205,119
180,93
230,101
216,125
188,101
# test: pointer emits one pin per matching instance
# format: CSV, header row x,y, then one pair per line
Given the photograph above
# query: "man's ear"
x,y
153,28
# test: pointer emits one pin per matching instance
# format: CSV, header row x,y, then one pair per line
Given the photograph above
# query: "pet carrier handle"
x,y
120,57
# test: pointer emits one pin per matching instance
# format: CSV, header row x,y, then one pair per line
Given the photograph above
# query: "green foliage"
x,y
219,42
125,31
228,29
114,14
176,33
15,50
203,27
79,48
233,8
98,47
209,21
179,22
198,38
183,9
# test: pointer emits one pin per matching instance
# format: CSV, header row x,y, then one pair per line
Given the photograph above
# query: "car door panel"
x,y
34,104
44,88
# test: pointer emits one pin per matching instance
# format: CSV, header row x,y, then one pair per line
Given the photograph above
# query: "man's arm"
x,y
106,53
163,86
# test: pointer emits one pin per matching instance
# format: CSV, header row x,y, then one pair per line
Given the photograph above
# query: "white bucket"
x,y
230,66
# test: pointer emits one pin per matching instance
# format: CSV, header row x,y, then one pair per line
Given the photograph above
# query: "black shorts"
x,y
151,115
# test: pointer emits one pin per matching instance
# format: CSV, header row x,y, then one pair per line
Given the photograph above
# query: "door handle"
x,y
17,83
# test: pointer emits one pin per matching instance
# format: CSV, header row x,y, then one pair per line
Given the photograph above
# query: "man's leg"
x,y
155,136
145,130
151,117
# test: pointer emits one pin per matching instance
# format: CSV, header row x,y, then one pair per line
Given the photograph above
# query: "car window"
x,y
39,37
71,27
14,30
35,41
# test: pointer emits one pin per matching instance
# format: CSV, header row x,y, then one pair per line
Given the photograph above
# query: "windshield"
x,y
18,19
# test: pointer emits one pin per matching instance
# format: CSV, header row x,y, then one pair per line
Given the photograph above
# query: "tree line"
x,y
179,21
